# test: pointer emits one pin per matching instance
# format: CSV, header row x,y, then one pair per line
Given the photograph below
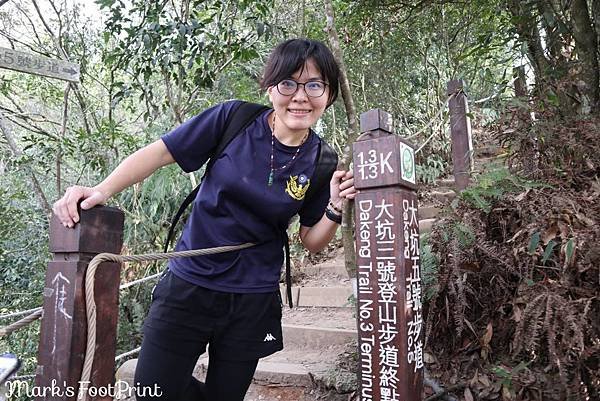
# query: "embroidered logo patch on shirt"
x,y
297,186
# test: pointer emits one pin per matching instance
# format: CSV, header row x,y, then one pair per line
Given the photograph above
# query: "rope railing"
x,y
89,293
21,378
434,118
4,331
15,314
91,304
139,281
35,312
128,353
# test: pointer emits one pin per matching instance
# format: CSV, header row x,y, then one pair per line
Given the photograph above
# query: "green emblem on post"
x,y
407,155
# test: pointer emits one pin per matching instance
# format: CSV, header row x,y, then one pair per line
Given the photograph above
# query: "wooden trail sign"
x,y
390,319
39,65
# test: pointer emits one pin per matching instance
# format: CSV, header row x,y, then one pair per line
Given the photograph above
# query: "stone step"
x,y
429,212
498,159
445,183
336,269
443,196
297,336
426,225
335,296
486,151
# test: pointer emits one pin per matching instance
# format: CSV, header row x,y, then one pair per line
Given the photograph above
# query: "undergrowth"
x,y
518,283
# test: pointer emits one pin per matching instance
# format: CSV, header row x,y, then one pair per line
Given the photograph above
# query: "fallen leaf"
x,y
428,358
550,233
474,380
487,337
521,196
585,220
506,393
468,395
517,314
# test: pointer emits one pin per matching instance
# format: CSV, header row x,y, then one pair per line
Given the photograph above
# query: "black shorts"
x,y
238,327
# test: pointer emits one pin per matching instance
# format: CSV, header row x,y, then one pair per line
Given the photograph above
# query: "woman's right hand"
x,y
66,207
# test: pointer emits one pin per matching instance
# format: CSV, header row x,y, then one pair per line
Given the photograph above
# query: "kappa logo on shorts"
x,y
269,337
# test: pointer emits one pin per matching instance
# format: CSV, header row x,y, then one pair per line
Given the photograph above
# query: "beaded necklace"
x,y
289,163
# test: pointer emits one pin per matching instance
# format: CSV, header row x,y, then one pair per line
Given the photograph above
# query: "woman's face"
x,y
298,112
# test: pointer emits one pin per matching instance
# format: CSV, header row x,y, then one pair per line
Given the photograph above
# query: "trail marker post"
x,y
460,129
390,319
63,333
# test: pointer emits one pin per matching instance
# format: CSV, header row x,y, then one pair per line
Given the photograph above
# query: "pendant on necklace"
x,y
270,181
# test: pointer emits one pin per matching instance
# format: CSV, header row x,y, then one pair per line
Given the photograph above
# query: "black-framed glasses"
x,y
288,87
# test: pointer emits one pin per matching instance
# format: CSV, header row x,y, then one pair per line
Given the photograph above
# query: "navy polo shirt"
x,y
236,205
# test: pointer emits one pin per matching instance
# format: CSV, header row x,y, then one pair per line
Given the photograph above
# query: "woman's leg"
x,y
176,332
229,380
165,366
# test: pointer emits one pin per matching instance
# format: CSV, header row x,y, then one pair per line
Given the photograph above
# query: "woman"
x,y
231,300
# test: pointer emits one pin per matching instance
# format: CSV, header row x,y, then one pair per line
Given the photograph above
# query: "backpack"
x,y
242,114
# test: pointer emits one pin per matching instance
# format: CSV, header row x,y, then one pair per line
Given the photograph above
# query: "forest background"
x,y
531,71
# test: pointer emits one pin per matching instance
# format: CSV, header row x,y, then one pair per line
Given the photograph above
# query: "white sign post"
x,y
39,65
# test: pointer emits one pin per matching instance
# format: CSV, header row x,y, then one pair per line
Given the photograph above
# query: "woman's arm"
x,y
317,237
133,169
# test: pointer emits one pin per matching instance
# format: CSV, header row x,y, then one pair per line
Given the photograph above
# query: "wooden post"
x,y
520,82
63,332
460,128
390,320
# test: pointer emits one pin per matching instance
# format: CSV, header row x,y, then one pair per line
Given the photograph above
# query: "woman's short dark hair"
x,y
291,56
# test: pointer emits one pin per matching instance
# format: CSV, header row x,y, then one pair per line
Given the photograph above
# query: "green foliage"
x,y
429,268
187,47
23,253
433,168
506,375
492,185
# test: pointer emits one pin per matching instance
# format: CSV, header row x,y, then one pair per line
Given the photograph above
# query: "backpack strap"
x,y
241,115
326,164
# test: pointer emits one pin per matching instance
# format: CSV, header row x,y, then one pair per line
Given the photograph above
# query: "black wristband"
x,y
331,215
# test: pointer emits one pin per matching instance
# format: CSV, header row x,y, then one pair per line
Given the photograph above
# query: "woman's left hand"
x,y
342,187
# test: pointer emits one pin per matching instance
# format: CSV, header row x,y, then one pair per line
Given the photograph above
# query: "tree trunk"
x,y
347,223
587,48
596,14
526,26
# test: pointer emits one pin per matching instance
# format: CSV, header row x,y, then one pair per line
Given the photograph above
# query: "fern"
x,y
493,185
563,324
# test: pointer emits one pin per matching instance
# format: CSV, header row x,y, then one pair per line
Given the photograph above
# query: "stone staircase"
x,y
321,326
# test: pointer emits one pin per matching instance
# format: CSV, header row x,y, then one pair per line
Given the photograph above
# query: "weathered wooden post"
x,y
460,129
63,333
390,319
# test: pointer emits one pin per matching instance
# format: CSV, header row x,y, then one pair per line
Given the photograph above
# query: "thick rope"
x,y
128,353
21,378
89,290
15,314
37,311
139,281
4,331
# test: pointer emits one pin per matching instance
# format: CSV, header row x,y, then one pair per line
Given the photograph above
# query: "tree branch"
x,y
48,29
17,152
63,130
